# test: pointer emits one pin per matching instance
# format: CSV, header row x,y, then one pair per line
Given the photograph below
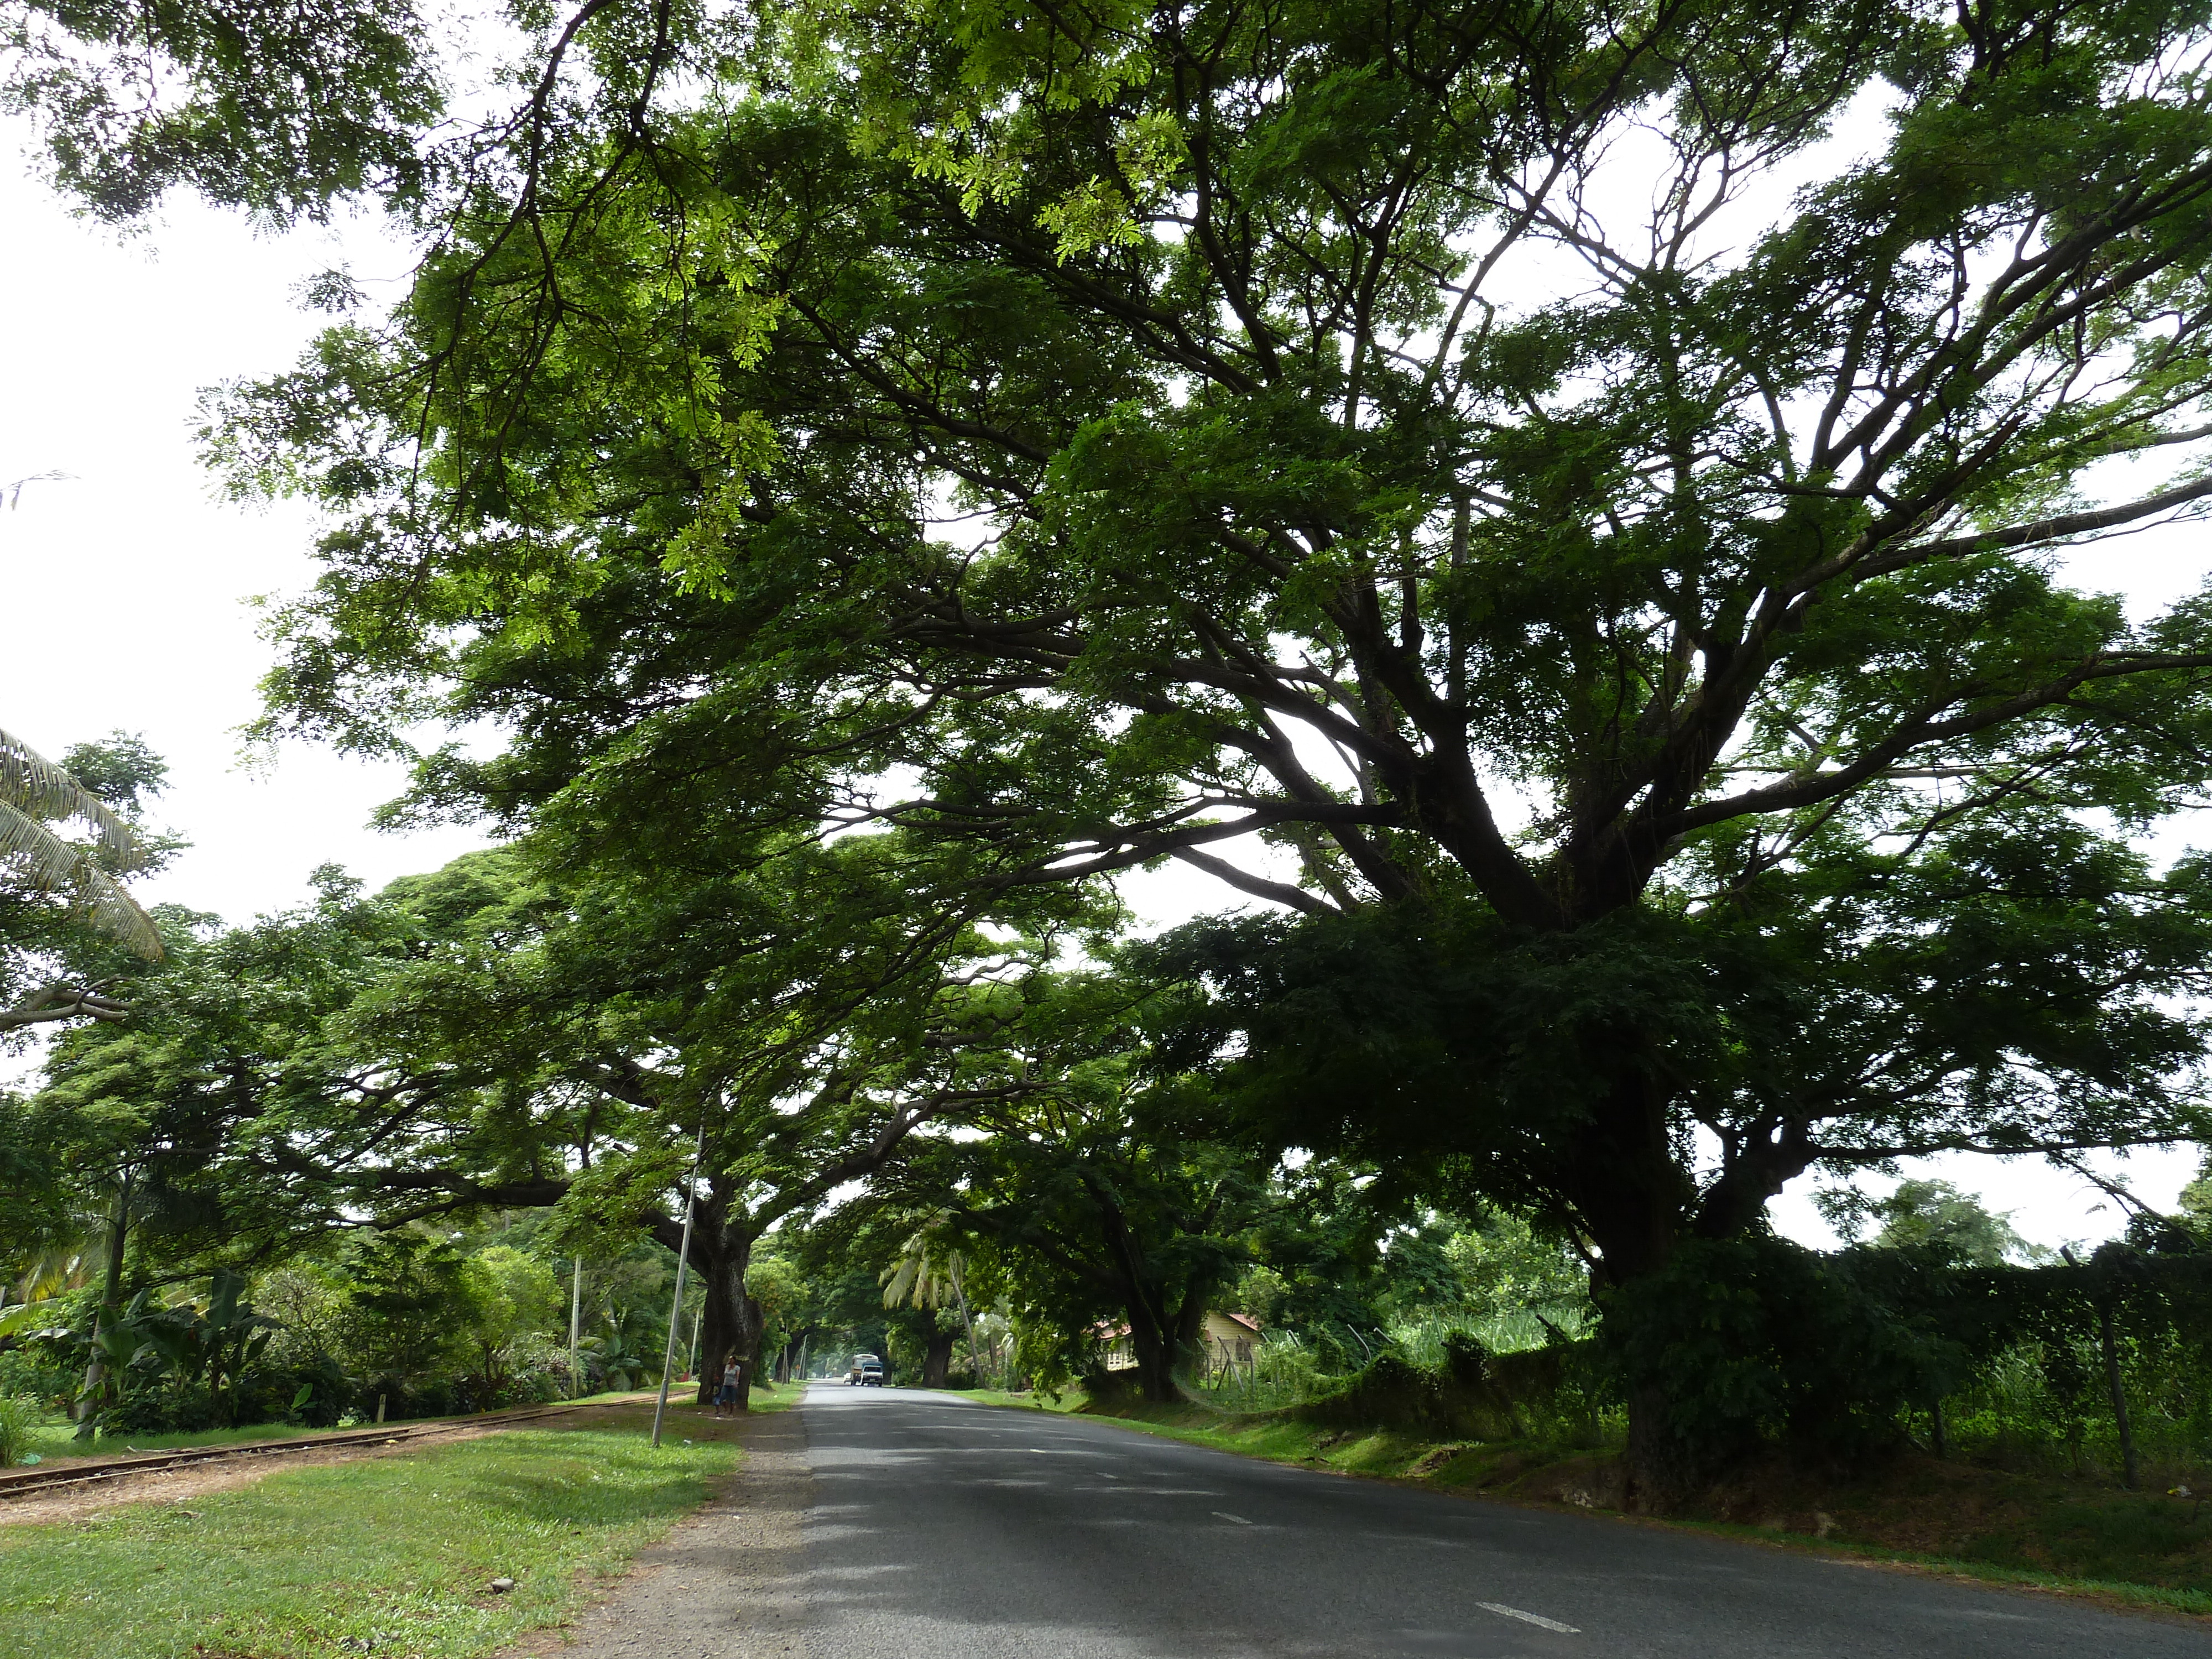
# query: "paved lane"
x,y
936,1529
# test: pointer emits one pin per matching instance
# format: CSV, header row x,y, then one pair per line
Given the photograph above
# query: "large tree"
x,y
276,108
1584,488
483,1037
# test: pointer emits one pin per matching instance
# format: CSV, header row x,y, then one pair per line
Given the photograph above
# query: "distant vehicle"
x,y
867,1372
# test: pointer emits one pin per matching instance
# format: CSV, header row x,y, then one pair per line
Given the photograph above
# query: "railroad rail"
x,y
42,1478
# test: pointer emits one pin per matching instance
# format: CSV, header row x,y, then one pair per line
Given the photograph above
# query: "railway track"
x,y
13,1482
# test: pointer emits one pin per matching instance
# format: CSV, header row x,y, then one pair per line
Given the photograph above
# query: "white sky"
x,y
125,585
126,589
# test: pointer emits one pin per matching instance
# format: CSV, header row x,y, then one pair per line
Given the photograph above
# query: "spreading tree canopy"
x,y
1104,1195
486,1038
1584,503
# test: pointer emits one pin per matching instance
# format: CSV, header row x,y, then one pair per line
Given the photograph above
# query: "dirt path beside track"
x,y
178,1486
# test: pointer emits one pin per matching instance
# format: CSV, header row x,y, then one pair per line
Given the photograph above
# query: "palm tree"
x,y
926,1275
35,793
70,1264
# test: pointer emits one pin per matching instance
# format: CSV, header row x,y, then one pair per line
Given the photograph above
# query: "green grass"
x,y
1071,1401
2120,1590
1379,1454
394,1551
57,1440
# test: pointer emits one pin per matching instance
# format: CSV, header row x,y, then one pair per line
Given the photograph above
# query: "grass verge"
x,y
2149,1549
392,1555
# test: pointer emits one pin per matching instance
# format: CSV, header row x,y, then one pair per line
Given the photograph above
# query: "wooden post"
x,y
2128,1464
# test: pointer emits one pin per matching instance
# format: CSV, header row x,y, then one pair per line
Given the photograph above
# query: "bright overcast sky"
x,y
126,587
126,583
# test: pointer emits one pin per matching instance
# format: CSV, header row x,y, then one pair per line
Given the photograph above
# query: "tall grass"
x,y
2042,1406
1515,1330
2049,1406
1288,1369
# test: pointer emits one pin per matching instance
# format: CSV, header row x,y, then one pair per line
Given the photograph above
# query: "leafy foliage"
x,y
1635,639
273,108
38,863
1632,642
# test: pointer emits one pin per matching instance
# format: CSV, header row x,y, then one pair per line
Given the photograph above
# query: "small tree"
x,y
511,1296
927,1274
1936,1213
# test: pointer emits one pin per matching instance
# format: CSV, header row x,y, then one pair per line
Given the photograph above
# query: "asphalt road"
x,y
936,1528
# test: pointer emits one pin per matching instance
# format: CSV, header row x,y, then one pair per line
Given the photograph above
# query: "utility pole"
x,y
2101,1299
974,1358
2130,1470
683,1261
576,1288
576,1329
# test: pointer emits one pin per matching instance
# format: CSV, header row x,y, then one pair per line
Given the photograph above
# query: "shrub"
x,y
18,1415
1757,1341
40,1372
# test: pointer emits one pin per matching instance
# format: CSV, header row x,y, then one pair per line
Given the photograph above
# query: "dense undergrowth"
x,y
1765,1352
2009,1463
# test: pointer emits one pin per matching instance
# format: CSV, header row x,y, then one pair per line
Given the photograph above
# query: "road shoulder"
x,y
723,1583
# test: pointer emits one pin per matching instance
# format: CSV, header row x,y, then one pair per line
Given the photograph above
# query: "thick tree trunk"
x,y
1190,1322
1155,1364
730,1323
1160,1337
937,1359
1159,1340
1637,1199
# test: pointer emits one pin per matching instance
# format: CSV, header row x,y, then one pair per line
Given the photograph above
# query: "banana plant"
x,y
187,1343
620,1365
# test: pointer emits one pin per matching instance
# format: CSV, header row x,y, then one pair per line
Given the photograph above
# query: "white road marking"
x,y
1238,1519
1536,1619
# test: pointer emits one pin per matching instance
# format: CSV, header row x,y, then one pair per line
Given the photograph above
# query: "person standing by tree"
x,y
726,1397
